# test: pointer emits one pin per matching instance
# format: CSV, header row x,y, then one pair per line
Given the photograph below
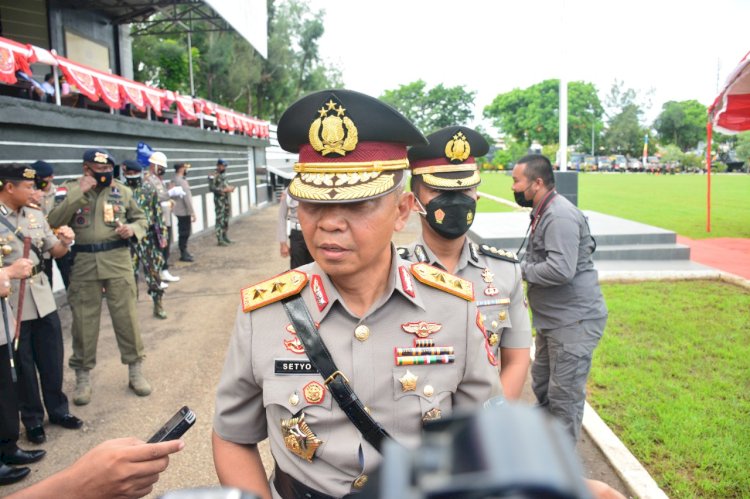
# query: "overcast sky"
x,y
676,48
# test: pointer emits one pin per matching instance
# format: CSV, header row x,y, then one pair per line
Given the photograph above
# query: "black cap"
x,y
131,164
447,163
42,168
351,146
16,171
101,156
221,162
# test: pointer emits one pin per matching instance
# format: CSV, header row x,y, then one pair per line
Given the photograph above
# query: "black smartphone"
x,y
175,427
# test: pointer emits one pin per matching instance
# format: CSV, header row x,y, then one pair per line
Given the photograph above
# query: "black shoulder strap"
x,y
20,235
336,382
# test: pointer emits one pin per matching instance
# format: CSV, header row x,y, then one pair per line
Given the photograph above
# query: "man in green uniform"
x,y
147,251
105,218
222,191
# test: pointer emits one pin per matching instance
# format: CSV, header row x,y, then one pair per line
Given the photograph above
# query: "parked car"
x,y
634,165
621,163
603,164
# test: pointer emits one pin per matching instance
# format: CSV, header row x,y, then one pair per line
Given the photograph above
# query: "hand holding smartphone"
x,y
175,427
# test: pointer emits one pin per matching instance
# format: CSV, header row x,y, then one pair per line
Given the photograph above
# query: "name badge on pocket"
x,y
109,213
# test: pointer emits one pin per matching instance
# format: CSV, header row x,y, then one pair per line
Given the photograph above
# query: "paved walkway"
x,y
729,254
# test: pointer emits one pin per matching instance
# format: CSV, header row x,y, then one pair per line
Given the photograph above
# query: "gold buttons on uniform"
x,y
429,391
502,315
360,482
362,332
367,410
494,324
294,399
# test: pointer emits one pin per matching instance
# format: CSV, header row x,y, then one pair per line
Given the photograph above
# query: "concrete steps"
x,y
616,238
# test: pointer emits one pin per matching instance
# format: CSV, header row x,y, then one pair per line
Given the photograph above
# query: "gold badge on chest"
x,y
299,438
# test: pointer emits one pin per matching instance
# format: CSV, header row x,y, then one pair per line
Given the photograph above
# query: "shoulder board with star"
x,y
273,290
440,279
500,254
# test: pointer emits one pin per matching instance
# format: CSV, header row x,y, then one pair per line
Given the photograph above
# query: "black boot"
x,y
185,256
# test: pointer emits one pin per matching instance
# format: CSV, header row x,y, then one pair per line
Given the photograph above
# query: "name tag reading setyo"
x,y
291,366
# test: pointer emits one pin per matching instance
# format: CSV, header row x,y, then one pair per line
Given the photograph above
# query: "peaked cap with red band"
x,y
448,163
351,146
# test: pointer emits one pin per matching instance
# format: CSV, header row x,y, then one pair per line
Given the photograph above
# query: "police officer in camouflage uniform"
x,y
444,182
147,251
219,186
106,219
362,301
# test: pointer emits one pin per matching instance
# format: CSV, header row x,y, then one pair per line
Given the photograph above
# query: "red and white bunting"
x,y
133,94
13,57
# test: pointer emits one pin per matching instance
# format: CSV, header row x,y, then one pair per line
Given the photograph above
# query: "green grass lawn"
x,y
671,377
673,202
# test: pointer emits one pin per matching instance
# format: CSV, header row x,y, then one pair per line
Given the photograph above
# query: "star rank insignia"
x,y
408,381
440,279
299,438
272,290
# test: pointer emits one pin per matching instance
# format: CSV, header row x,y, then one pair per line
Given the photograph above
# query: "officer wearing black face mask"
x,y
444,183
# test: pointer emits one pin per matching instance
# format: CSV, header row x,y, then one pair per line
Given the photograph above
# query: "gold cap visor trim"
x,y
342,186
421,170
452,183
352,167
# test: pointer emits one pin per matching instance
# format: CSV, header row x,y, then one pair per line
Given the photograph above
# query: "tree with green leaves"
x,y
229,72
432,109
682,123
533,113
625,134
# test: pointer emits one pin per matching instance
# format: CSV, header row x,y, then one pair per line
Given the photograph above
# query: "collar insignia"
x,y
319,292
272,290
333,132
407,284
420,253
457,149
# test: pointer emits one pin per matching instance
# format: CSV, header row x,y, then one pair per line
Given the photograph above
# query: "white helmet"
x,y
158,158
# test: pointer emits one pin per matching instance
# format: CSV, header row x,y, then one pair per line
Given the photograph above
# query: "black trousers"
x,y
165,249
184,229
298,253
40,348
8,403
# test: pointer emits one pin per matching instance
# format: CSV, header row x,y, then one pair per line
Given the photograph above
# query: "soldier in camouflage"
x,y
221,190
148,250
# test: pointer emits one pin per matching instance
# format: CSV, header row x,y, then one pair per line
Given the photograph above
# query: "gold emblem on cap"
x,y
299,438
333,131
458,148
408,381
29,173
100,157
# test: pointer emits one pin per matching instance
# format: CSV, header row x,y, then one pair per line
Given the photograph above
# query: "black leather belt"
x,y
335,380
290,488
97,247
